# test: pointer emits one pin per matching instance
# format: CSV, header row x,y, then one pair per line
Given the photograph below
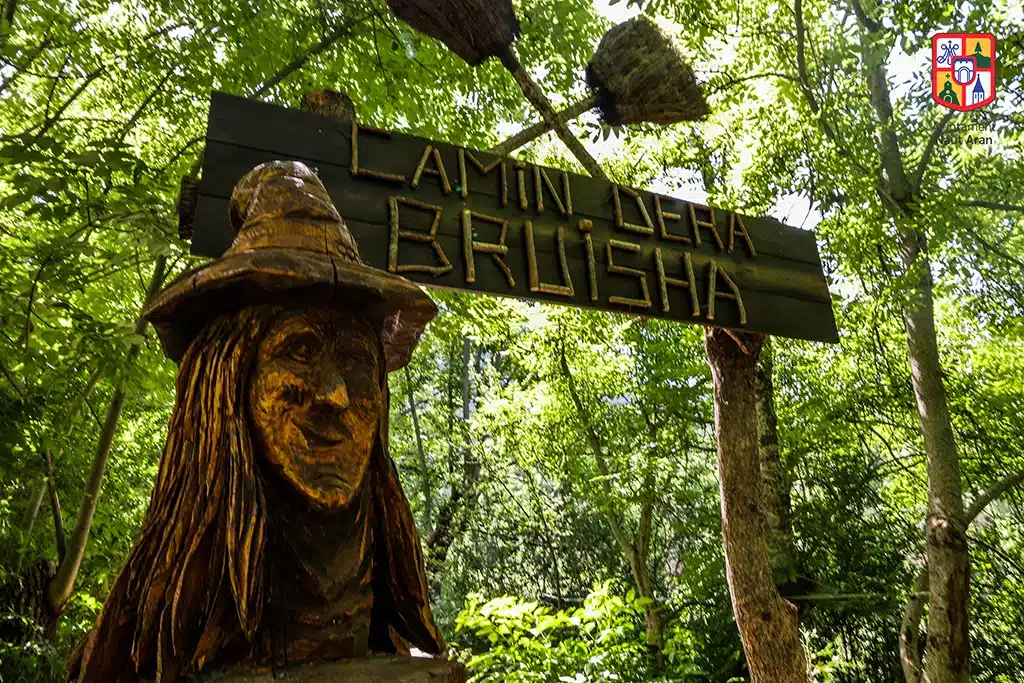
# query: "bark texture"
x,y
767,623
910,637
775,472
947,650
31,514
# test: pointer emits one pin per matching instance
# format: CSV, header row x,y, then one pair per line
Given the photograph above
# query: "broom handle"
x,y
541,103
536,130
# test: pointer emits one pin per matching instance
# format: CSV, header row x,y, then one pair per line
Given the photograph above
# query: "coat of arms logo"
x,y
963,70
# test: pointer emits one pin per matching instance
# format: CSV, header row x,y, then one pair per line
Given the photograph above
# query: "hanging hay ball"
x,y
638,75
472,29
329,103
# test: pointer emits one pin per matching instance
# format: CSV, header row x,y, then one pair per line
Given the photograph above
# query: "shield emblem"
x,y
963,70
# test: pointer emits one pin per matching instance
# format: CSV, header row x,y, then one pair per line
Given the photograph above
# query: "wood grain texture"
x,y
277,532
778,271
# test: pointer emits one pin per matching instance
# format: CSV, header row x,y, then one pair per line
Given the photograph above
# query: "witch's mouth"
x,y
317,439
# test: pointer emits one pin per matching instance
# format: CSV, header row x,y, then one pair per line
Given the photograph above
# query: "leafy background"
x,y
527,526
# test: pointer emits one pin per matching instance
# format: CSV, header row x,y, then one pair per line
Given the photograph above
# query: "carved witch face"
x,y
316,402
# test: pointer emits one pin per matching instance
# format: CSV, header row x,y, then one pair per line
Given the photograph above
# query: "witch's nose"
x,y
331,390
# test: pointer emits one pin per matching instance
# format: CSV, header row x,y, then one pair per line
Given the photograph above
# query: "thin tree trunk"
x,y
7,21
947,652
635,550
910,637
62,586
459,505
31,514
428,496
947,649
653,623
59,535
468,474
767,623
775,475
45,484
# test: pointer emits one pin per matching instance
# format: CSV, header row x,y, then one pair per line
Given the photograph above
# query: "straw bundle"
x,y
329,103
638,75
472,29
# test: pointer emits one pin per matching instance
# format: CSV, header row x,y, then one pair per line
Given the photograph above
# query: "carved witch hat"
x,y
291,245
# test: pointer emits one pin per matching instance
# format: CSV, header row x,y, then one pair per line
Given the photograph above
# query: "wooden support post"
x,y
767,623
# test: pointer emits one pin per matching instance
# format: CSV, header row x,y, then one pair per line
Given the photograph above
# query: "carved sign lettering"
x,y
458,218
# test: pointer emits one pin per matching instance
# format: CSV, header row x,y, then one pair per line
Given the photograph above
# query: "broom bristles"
x,y
638,75
329,103
472,29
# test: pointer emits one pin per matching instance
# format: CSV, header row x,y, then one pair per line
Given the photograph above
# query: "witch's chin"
x,y
331,492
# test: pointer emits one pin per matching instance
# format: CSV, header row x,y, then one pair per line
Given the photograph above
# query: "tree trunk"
x,y
947,652
910,658
637,549
59,535
428,496
63,584
469,468
775,474
767,624
31,514
453,514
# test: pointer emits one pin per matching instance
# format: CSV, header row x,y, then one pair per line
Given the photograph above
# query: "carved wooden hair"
x,y
192,586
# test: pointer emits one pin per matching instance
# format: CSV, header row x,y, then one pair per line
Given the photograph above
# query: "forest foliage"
x,y
561,463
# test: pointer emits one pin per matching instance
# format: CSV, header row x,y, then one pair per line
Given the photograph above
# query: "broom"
x,y
478,29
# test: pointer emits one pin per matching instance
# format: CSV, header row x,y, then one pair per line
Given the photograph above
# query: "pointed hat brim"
x,y
398,308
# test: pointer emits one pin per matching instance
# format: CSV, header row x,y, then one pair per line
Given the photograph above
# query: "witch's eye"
x,y
301,350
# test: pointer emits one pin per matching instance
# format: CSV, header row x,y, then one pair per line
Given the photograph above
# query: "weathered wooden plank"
x,y
324,142
361,199
766,312
612,253
765,273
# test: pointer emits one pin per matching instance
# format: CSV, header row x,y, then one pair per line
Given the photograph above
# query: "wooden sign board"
x,y
462,219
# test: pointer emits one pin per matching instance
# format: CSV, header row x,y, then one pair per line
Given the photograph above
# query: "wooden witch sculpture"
x,y
278,531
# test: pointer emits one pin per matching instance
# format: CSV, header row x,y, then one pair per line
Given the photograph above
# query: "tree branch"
x,y
985,497
11,379
808,91
922,165
863,17
28,62
328,41
995,206
126,128
993,248
50,121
